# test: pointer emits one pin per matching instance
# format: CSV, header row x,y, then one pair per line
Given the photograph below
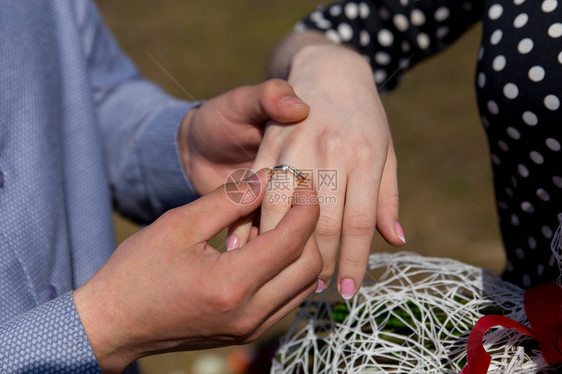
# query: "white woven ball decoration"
x,y
413,314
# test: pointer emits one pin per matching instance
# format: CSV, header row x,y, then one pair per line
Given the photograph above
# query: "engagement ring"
x,y
299,176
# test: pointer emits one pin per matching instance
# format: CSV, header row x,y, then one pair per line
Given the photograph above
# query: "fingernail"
x,y
400,232
347,288
321,286
232,242
292,101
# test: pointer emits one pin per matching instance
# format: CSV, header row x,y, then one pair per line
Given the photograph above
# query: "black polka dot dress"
x,y
519,89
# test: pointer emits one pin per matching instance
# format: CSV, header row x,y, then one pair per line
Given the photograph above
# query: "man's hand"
x,y
165,289
346,131
225,133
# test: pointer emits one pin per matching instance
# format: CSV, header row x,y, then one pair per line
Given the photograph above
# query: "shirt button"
x,y
51,292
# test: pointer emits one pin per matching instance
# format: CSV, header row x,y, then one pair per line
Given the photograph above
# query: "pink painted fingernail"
x,y
232,243
321,286
400,232
347,288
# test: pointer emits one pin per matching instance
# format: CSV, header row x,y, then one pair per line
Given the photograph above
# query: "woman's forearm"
x,y
279,65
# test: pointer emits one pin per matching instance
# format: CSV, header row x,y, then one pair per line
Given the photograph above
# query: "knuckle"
x,y
384,140
169,215
391,200
360,225
312,260
328,226
296,242
276,202
227,299
293,244
243,327
332,142
170,218
297,137
364,152
391,157
274,209
315,263
327,270
235,97
275,82
352,264
272,86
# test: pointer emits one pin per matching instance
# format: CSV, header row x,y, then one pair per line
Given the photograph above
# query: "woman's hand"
x,y
165,289
346,131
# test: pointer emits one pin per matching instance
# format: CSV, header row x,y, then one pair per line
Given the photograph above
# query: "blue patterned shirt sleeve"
x,y
47,339
139,123
82,127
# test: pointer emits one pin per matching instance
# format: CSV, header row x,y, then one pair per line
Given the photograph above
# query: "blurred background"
x,y
447,206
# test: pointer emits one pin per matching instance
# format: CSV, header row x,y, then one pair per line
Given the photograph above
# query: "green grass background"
x,y
447,206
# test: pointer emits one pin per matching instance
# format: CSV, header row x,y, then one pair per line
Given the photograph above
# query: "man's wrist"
x,y
104,331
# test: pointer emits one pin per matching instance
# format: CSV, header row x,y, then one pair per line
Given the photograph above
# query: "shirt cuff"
x,y
47,339
166,183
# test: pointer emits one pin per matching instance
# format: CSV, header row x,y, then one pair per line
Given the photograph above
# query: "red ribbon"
x,y
543,307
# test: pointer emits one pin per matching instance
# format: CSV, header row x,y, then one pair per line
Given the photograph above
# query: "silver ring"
x,y
284,168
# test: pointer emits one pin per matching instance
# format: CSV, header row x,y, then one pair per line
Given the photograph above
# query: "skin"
x,y
347,130
225,133
165,289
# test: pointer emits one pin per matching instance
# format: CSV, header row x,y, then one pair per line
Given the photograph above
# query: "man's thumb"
x,y
273,99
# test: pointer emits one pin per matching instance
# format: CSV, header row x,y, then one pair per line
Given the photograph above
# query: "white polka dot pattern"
x,y
517,95
536,73
520,20
442,14
525,46
417,17
530,118
555,30
499,63
405,30
385,38
495,12
552,102
49,339
496,37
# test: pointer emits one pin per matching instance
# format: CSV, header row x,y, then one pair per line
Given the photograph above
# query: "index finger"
x,y
271,252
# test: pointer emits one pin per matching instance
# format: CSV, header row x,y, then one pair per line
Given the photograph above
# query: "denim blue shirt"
x,y
80,132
